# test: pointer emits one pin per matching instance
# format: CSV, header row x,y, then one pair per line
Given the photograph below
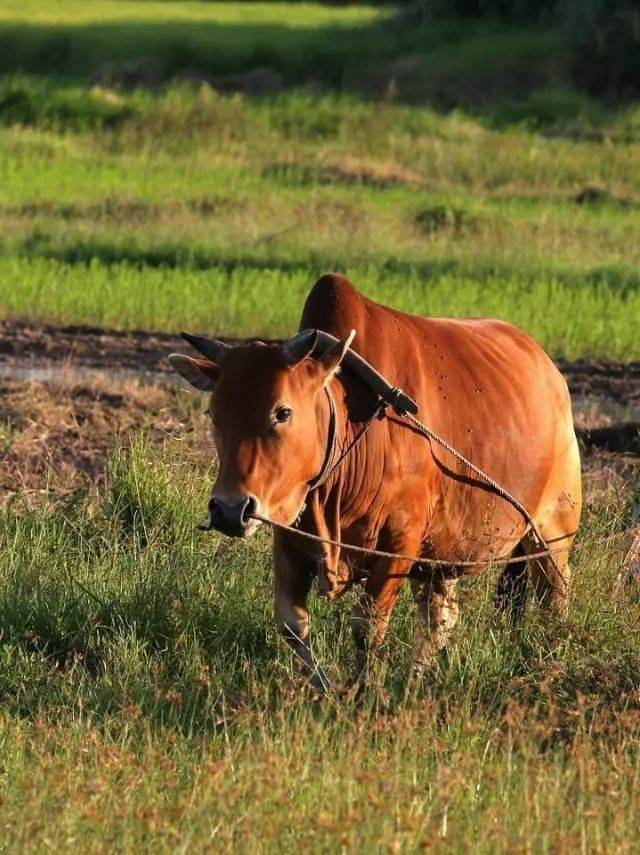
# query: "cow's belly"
x,y
469,522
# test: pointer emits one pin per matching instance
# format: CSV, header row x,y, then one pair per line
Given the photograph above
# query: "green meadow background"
x,y
168,165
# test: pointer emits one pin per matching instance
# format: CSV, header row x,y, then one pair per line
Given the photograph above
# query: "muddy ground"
x,y
26,344
56,436
68,395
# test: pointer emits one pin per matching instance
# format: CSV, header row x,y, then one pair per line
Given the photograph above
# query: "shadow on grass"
x,y
178,657
506,73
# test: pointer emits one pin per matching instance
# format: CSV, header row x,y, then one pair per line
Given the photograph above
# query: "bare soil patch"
x,y
25,343
56,435
623,438
603,379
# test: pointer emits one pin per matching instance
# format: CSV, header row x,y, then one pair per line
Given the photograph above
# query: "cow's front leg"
x,y
370,617
437,615
292,585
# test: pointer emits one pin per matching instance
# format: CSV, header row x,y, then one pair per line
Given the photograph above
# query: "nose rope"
x,y
411,559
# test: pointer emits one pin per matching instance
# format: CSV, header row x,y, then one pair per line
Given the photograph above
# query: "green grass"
x,y
147,701
572,318
191,208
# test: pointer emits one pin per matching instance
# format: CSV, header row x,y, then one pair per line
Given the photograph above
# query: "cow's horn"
x,y
300,346
339,347
209,347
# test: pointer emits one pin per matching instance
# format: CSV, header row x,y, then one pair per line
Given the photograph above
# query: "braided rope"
x,y
328,470
332,443
379,410
413,559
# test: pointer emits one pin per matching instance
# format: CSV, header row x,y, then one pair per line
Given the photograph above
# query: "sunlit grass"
x,y
77,12
248,298
145,690
220,211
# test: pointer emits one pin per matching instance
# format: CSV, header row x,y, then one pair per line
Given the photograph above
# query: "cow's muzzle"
x,y
232,514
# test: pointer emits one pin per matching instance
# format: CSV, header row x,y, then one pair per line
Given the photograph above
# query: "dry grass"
x,y
58,436
148,704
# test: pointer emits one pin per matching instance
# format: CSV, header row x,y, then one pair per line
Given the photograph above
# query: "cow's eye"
x,y
283,414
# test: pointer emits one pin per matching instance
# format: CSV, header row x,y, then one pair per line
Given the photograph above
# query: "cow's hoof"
x,y
347,691
320,683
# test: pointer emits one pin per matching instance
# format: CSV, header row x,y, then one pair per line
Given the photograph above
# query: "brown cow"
x,y
483,385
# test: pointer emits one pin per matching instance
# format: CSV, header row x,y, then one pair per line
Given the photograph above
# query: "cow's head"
x,y
270,423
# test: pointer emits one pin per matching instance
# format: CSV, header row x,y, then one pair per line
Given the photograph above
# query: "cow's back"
x,y
485,386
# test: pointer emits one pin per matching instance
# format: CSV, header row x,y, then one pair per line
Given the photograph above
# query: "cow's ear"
x,y
201,373
332,358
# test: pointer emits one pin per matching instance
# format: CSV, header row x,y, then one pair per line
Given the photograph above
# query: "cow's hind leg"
x,y
550,576
511,592
557,521
437,615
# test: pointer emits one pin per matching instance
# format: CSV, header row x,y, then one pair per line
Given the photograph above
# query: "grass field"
x,y
214,210
145,690
180,204
146,702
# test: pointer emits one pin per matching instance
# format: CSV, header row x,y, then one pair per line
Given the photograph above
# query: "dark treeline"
x,y
602,36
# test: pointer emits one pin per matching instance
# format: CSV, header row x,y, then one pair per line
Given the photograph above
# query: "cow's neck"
x,y
323,512
349,494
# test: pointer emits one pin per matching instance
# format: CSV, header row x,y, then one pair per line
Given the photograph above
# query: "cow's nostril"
x,y
216,514
250,508
233,513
